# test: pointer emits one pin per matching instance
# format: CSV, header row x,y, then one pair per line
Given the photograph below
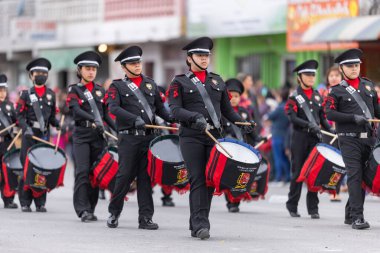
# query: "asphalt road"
x,y
261,226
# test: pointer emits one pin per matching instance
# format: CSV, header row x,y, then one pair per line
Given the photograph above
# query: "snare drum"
x,y
105,169
235,175
11,170
44,168
165,164
371,176
323,170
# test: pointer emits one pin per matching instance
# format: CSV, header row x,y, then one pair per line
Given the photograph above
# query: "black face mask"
x,y
40,79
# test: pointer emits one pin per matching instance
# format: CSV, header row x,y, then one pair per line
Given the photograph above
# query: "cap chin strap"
x,y
344,74
131,71
196,64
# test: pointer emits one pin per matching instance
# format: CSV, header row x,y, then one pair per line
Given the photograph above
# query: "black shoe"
x,y
348,221
102,194
203,234
26,209
41,209
294,214
11,205
233,209
85,216
113,221
193,234
360,224
147,223
93,217
314,216
168,202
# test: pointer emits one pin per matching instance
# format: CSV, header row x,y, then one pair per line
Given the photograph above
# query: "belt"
x,y
36,125
364,135
138,132
84,123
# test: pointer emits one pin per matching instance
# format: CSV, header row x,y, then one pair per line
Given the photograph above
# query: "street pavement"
x,y
261,226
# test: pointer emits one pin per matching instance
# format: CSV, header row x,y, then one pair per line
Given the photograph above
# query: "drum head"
x,y
166,148
43,156
376,154
240,151
331,154
12,160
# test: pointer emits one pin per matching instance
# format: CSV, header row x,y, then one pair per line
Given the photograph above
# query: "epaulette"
x,y
214,73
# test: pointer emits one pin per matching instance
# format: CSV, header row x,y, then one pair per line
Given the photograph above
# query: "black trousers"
x,y
26,196
87,148
355,154
196,150
133,163
301,145
3,149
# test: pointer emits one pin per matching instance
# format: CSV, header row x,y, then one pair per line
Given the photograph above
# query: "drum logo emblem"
x,y
243,180
40,180
334,179
182,176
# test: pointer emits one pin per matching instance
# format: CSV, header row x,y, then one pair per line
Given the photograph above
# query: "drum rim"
x,y
38,145
329,146
243,144
10,152
165,137
162,137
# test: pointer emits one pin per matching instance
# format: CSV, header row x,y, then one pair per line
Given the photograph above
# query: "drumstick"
x,y
7,128
14,140
374,120
328,133
162,127
262,142
217,142
332,141
245,124
111,135
59,133
43,141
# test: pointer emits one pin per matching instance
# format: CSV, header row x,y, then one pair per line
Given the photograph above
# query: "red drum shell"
x,y
105,170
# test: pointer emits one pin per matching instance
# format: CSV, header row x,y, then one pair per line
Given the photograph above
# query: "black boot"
x,y
113,221
147,223
360,224
10,205
26,209
203,233
41,209
314,216
167,202
85,216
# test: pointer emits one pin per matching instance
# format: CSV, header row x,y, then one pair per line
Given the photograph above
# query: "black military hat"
x,y
309,66
130,54
234,84
88,58
202,45
350,56
3,81
40,64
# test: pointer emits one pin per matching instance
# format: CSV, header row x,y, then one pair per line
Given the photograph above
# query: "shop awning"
x,y
365,28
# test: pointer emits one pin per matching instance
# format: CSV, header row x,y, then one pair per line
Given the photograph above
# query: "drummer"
x,y
86,101
355,133
35,112
134,100
187,105
306,113
235,89
7,118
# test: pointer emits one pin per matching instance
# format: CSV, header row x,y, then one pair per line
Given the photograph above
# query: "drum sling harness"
x,y
358,99
205,97
37,110
4,121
